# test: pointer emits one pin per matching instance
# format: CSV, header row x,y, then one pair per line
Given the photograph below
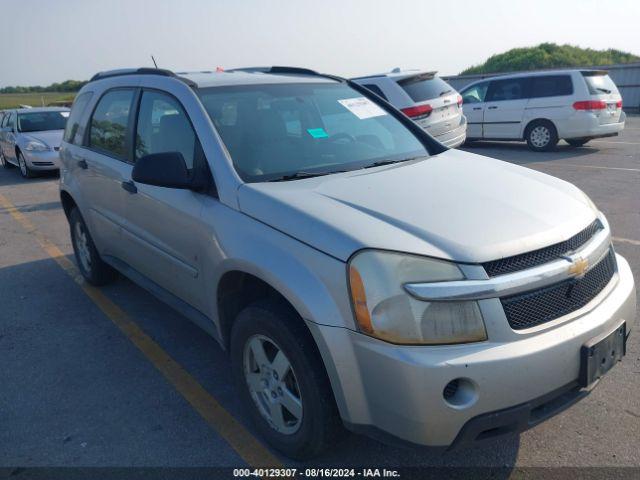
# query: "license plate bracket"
x,y
600,354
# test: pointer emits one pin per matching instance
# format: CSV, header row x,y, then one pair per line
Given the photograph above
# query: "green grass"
x,y
13,100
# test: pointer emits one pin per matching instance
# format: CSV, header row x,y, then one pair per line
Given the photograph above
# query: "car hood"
x,y
51,138
455,205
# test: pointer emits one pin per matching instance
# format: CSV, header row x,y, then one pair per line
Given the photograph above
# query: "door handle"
x,y
477,108
83,164
130,186
493,107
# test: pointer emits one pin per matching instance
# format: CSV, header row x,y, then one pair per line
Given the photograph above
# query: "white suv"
x,y
544,107
425,98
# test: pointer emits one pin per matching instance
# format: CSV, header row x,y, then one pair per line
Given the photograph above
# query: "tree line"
x,y
66,86
548,56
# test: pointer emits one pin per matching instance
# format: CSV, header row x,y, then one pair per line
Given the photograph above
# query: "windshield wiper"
x,y
603,90
380,163
302,174
444,92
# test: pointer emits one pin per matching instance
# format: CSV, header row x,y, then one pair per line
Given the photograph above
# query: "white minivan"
x,y
544,107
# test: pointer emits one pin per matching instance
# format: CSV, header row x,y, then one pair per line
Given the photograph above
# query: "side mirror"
x,y
166,169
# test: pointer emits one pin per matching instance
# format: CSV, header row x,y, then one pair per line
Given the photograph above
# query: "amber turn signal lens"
x,y
359,298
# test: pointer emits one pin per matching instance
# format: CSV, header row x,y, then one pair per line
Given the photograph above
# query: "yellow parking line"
x,y
239,438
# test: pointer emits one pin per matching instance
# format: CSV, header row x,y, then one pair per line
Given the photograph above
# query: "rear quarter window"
x,y
551,86
73,123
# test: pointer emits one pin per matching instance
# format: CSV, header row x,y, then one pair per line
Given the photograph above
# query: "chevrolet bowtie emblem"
x,y
579,267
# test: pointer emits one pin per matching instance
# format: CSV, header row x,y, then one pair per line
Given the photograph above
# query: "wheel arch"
x,y
68,203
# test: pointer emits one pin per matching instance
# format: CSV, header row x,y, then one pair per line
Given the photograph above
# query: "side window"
x,y
11,122
475,94
508,89
163,126
551,86
109,123
77,109
375,89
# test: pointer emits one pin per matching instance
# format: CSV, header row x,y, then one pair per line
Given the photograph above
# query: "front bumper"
x,y
396,392
47,160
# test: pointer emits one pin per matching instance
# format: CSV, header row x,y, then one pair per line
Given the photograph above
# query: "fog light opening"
x,y
460,393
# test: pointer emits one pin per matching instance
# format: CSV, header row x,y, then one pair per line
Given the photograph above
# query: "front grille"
x,y
543,255
526,310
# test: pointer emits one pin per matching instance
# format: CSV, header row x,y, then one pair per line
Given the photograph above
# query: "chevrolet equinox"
x,y
358,272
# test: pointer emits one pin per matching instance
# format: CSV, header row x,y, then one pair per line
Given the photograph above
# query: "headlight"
x,y
383,309
36,146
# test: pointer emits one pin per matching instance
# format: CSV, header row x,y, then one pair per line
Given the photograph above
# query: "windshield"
x,y
599,83
40,121
279,130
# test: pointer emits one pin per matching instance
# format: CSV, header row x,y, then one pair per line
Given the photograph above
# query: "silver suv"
x,y
425,98
358,272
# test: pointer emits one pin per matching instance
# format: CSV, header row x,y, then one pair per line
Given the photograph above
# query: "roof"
x,y
220,79
42,109
240,76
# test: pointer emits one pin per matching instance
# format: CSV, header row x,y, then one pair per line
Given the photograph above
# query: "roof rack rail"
x,y
140,71
284,70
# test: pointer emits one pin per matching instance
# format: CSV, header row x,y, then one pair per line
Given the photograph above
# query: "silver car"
x,y
30,138
425,98
358,272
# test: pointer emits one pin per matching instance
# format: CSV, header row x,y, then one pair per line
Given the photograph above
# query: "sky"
x,y
49,41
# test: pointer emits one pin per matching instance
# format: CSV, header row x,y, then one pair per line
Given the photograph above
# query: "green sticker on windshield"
x,y
317,132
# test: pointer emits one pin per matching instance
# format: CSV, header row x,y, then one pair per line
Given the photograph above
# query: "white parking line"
x,y
626,240
622,143
546,164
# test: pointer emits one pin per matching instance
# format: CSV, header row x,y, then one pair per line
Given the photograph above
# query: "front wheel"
x,y
25,171
282,381
542,136
93,268
577,142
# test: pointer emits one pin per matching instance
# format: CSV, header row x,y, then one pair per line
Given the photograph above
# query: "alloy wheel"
x,y
272,384
82,246
23,165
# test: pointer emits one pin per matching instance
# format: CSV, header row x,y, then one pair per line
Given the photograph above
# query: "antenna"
x,y
154,61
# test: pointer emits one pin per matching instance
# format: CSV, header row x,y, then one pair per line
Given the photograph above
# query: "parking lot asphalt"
x,y
113,377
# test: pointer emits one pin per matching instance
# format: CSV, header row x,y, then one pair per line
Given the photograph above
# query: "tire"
x,y
577,142
541,136
93,268
4,162
279,330
25,171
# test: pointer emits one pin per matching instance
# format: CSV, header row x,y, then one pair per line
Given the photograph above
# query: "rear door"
x,y
473,106
164,237
103,166
602,88
505,104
